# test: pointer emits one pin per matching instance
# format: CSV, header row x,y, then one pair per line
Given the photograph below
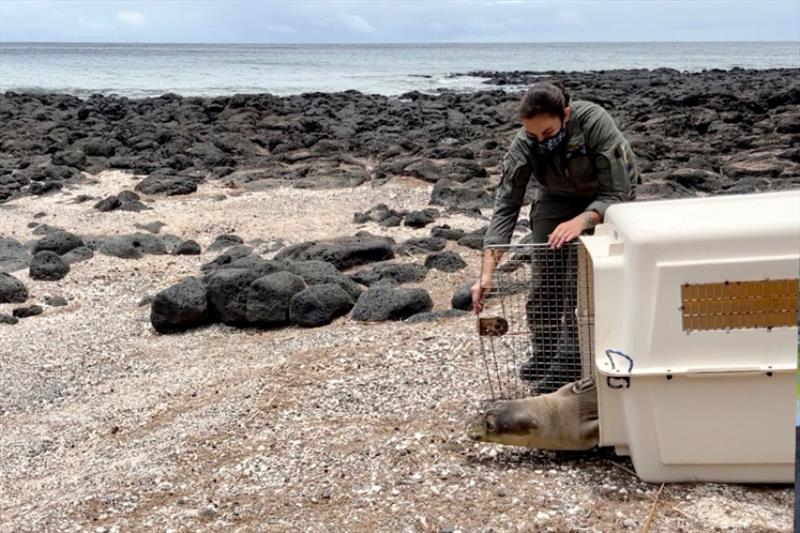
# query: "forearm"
x,y
591,218
491,258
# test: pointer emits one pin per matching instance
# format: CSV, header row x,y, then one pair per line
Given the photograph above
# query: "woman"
x,y
580,164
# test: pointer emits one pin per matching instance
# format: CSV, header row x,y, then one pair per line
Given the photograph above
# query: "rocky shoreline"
x,y
694,133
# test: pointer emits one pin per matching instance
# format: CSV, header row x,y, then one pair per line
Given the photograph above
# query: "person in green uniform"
x,y
580,164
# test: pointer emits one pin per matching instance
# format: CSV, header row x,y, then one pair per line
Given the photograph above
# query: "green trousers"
x,y
550,308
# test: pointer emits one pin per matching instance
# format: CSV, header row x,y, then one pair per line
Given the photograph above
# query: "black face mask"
x,y
548,145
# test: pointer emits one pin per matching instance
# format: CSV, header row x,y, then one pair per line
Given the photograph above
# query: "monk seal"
x,y
562,420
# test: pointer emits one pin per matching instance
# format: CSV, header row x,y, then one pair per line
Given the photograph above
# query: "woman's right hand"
x,y
479,291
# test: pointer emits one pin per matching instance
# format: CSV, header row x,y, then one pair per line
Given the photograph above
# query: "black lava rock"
x,y
446,261
133,246
169,185
344,253
189,247
228,290
13,256
48,266
462,299
378,304
59,242
180,307
395,273
12,290
269,297
152,227
322,272
319,305
420,219
435,315
446,232
25,312
76,255
226,240
55,301
8,319
421,246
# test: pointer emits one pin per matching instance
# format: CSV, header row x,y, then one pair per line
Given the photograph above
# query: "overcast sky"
x,y
338,21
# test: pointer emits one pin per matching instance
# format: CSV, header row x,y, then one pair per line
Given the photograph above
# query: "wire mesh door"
x,y
537,326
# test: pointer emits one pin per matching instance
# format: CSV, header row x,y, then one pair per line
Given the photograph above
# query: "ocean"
x,y
138,70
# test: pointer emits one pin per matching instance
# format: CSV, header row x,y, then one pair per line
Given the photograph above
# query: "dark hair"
x,y
550,97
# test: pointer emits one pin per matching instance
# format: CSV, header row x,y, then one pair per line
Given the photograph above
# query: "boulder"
x,y
180,307
269,297
462,299
132,246
48,266
395,273
446,261
12,290
124,201
152,227
189,247
81,253
322,272
8,319
25,312
59,242
319,305
383,303
419,219
225,240
435,315
168,185
69,158
228,289
344,253
55,301
422,245
447,233
13,256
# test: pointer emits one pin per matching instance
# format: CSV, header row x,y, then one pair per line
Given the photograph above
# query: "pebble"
x,y
209,511
629,522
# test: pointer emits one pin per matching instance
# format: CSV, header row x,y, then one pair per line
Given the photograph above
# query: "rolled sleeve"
x,y
508,201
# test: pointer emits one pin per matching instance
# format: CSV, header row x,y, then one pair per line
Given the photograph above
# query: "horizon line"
x,y
401,42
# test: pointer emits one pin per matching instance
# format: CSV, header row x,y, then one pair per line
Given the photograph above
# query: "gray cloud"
x,y
351,21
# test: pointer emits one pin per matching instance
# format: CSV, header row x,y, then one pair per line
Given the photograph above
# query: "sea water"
x,y
137,70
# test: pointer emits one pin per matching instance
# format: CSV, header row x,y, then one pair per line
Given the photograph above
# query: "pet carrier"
x,y
685,312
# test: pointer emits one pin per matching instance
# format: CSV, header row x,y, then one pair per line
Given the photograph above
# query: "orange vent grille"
x,y
739,304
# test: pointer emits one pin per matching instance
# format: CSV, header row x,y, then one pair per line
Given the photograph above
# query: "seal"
x,y
562,420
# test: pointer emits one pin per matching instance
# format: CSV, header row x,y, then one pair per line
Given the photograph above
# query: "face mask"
x,y
548,145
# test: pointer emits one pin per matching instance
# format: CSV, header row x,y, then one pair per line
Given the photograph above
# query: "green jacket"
x,y
594,166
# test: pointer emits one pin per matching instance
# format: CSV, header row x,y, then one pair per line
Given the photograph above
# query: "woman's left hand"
x,y
567,231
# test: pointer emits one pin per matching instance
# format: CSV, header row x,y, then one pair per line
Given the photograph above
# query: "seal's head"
x,y
504,423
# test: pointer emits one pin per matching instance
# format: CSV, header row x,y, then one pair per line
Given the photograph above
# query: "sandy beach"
x,y
109,425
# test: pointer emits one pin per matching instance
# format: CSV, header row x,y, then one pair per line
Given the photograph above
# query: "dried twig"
x,y
649,520
626,469
688,516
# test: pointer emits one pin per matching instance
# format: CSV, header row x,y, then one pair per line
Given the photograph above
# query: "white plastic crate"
x,y
695,355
